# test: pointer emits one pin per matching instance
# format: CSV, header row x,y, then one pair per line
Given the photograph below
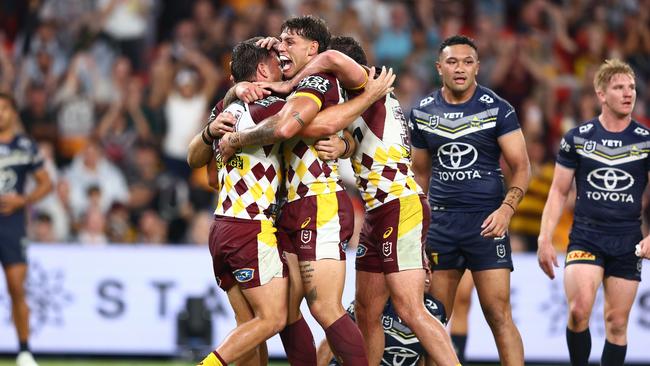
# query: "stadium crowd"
x,y
113,90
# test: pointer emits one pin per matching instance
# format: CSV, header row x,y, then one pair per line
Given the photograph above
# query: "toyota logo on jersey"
x,y
457,155
610,179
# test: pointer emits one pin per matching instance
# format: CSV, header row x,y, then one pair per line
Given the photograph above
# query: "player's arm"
x,y
200,150
335,146
294,115
557,195
513,147
211,171
421,166
11,202
340,116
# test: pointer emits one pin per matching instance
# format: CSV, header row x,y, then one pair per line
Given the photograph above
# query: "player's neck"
x,y
613,122
458,98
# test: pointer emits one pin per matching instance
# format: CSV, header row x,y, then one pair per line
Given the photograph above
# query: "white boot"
x,y
25,358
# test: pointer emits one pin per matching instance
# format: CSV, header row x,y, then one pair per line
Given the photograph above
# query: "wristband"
x,y
347,146
509,205
205,139
207,130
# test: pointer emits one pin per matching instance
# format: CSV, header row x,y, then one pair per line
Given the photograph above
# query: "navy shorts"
x,y
13,248
613,252
454,241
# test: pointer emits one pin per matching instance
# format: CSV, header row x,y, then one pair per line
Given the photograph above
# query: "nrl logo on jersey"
x,y
585,128
589,147
434,121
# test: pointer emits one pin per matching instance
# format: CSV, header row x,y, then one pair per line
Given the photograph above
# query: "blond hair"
x,y
607,70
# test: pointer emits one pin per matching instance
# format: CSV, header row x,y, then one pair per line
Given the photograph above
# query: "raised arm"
x,y
338,117
557,195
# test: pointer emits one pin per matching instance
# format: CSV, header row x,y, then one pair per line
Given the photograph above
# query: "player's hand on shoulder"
x,y
546,256
269,43
378,87
496,224
222,124
10,202
249,92
330,148
643,248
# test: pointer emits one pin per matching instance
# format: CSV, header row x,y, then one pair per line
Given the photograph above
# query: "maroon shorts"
x,y
244,250
317,227
393,236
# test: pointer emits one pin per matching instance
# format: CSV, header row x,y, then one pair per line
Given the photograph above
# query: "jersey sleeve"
x,y
321,88
567,155
417,138
507,119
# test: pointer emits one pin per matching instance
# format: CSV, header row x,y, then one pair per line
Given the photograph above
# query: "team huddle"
x,y
435,200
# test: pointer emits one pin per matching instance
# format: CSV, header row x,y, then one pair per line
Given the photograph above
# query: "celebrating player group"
x,y
436,204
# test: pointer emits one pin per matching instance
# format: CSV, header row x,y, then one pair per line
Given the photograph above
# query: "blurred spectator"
x,y
92,169
200,228
394,42
152,229
41,229
118,225
38,117
92,229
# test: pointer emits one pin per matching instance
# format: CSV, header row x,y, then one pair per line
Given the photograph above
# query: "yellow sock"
x,y
211,360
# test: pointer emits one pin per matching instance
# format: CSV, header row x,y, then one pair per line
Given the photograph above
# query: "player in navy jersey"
x,y
459,134
609,159
19,158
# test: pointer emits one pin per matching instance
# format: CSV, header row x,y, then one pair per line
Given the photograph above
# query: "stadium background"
x,y
113,89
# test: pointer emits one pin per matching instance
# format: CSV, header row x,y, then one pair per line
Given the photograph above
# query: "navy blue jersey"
x,y
401,346
611,172
18,158
462,141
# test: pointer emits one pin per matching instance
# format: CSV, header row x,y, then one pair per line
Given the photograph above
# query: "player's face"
x,y
6,114
458,66
273,66
619,95
295,51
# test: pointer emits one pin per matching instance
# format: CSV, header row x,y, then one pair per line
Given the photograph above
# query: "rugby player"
x,y
19,157
459,134
608,157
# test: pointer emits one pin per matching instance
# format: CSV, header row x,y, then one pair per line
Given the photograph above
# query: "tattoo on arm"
x,y
230,96
513,197
262,134
296,115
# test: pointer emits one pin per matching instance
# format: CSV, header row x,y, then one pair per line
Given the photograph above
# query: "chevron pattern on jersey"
x,y
456,128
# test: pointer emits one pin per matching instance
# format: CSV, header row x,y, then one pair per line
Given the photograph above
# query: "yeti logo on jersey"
x,y
315,82
244,274
486,99
565,145
610,179
8,180
585,128
305,236
641,131
501,250
589,146
361,250
399,356
387,322
387,248
457,155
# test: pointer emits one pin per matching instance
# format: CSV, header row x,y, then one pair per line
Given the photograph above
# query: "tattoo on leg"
x,y
296,115
306,272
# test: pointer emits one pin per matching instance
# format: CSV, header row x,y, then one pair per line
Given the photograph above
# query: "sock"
x,y
346,341
613,354
213,359
459,341
579,347
23,346
299,344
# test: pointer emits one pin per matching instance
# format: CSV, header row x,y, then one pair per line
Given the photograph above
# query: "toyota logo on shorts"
x,y
610,179
457,155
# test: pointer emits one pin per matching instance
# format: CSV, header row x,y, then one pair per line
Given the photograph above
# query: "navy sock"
x,y
613,354
579,347
23,346
459,341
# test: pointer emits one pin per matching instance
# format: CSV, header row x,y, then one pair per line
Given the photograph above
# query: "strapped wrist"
x,y
207,130
205,139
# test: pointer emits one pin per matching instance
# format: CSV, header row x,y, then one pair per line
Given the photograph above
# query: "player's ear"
x,y
439,68
262,70
313,48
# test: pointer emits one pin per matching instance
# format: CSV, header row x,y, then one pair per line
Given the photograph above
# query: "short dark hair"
x,y
455,40
350,47
9,98
310,27
245,57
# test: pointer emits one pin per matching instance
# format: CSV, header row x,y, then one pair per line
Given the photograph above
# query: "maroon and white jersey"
x,y
248,182
382,160
307,175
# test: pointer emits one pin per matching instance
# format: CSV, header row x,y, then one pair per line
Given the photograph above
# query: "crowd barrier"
x,y
122,300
